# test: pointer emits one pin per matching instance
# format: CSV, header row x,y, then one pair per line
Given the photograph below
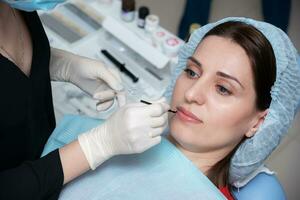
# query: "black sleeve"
x,y
40,179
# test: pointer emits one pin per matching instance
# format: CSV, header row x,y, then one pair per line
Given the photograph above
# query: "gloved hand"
x,y
103,84
134,128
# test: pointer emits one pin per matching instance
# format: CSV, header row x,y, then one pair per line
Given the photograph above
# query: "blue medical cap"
x,y
285,95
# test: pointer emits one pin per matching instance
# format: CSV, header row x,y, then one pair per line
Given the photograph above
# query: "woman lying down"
x,y
235,91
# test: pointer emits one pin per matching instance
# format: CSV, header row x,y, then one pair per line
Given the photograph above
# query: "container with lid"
x,y
171,46
152,22
128,10
158,38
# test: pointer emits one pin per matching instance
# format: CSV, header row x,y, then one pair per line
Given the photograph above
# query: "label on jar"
x,y
127,16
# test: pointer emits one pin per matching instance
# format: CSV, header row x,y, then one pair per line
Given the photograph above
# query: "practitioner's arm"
x,y
73,160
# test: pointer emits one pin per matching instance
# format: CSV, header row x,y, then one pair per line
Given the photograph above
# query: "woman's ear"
x,y
258,120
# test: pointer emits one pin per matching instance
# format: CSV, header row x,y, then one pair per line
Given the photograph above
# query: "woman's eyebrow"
x,y
224,75
194,60
230,77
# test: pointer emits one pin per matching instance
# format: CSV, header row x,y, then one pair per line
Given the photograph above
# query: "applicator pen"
x,y
120,65
146,102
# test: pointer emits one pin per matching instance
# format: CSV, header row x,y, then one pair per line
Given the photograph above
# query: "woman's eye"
x,y
191,74
223,91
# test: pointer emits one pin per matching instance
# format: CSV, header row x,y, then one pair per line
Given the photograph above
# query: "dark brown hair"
x,y
263,63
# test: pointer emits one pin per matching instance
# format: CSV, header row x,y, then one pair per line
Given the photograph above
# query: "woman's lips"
x,y
187,116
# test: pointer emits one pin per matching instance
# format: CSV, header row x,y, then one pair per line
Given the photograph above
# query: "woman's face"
x,y
215,98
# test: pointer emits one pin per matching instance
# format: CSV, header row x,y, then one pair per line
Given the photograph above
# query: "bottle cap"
x,y
143,12
128,5
193,27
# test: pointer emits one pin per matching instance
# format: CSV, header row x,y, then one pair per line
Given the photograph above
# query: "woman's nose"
x,y
196,92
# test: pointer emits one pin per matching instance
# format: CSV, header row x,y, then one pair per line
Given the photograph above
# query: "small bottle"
x,y
151,24
193,27
143,13
128,10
